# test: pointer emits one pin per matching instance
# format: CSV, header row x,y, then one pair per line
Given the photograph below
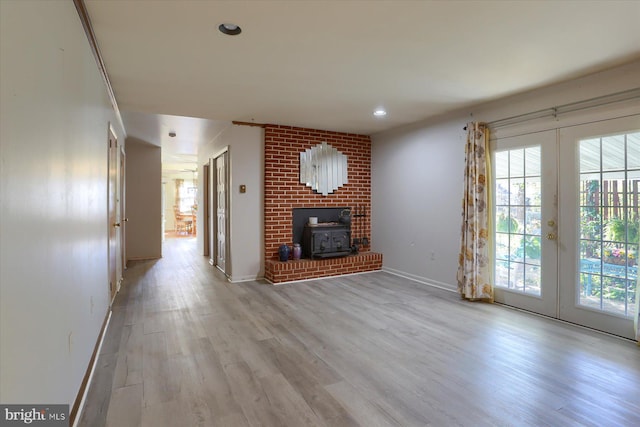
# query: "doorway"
x,y
567,223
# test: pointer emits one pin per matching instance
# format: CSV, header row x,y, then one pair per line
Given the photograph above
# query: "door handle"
x,y
116,224
551,236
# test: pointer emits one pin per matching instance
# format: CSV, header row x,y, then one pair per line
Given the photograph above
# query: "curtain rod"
x,y
567,108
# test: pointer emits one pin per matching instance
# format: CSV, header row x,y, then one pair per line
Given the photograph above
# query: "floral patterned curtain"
x,y
475,276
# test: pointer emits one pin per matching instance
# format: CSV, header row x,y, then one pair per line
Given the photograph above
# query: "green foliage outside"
x,y
531,248
506,224
619,230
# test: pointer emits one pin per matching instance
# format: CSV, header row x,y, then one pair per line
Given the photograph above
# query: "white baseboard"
x,y
424,280
245,279
93,368
320,278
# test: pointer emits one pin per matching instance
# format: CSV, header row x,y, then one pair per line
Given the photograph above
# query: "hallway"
x,y
187,348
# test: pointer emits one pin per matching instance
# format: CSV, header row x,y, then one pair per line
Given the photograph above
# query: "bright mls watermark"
x,y
34,415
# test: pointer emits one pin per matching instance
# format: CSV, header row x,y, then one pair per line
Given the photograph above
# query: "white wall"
x,y
417,172
416,182
54,118
246,158
144,200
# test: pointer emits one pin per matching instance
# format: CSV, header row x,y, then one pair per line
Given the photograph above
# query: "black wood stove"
x,y
325,240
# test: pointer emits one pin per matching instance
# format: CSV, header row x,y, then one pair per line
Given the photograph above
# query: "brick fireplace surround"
x,y
284,192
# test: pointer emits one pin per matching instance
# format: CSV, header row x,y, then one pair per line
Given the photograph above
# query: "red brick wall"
x,y
283,190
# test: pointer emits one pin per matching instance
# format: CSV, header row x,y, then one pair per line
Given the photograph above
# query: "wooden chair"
x,y
183,222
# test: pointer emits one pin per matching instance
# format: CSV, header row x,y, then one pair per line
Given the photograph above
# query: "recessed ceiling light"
x,y
230,29
380,112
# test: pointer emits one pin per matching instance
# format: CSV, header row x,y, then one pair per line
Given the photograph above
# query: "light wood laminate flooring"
x,y
187,348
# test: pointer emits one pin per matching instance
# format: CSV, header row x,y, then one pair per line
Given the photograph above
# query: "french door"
x,y
525,226
599,213
567,223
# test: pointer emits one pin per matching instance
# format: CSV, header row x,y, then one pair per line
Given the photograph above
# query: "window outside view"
x,y
609,222
517,220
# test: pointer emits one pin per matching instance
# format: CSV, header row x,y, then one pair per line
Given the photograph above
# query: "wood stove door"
x,y
340,241
321,242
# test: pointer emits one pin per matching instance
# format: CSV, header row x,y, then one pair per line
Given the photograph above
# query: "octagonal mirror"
x,y
323,168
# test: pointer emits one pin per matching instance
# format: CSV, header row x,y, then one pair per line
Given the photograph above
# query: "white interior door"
x,y
114,224
525,227
123,211
222,219
600,223
206,180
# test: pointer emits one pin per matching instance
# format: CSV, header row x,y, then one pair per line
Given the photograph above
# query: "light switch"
x,y
243,188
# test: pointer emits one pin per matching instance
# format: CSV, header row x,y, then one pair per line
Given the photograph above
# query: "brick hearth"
x,y
292,270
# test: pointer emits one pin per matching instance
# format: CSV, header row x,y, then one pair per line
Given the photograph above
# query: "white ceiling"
x,y
179,153
329,64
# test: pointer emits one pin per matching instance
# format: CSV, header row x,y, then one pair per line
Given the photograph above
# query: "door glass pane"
x,y
633,150
502,273
502,192
532,165
516,163
516,191
633,185
613,152
590,224
533,280
502,246
609,222
533,191
516,276
532,250
518,220
502,164
589,155
516,247
590,189
532,224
